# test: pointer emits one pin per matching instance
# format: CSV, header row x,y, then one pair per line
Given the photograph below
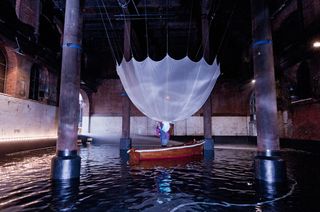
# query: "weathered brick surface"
x,y
311,11
305,122
23,77
18,74
108,100
231,98
228,98
26,11
12,71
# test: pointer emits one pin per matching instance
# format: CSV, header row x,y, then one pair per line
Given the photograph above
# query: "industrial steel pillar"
x,y
207,111
66,163
125,141
269,166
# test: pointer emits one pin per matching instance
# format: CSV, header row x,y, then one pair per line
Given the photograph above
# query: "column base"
x,y
208,144
125,143
271,169
65,165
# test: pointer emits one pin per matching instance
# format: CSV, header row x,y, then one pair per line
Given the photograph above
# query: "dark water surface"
x,y
108,183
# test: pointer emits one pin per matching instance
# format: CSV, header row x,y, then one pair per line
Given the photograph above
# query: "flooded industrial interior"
x,y
109,183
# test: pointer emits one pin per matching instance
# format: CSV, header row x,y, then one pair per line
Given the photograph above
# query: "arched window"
x,y
303,81
3,68
34,82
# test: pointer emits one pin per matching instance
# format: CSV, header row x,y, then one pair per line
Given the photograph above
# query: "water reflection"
x,y
108,183
163,182
269,191
64,194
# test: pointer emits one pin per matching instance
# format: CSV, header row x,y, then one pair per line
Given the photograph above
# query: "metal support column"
x,y
125,141
66,163
207,111
269,166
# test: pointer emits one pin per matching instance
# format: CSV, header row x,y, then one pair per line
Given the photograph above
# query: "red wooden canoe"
x,y
174,152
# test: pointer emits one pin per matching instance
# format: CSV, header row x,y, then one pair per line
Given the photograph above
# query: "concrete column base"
x,y
208,144
125,143
271,169
65,165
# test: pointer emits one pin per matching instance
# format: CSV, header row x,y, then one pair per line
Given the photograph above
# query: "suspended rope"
x,y
145,17
205,46
189,28
127,30
112,30
208,32
169,89
227,28
108,37
135,7
167,43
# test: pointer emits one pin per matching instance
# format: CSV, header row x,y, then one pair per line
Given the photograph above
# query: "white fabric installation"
x,y
169,89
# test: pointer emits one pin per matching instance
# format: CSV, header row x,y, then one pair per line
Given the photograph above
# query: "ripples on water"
x,y
108,183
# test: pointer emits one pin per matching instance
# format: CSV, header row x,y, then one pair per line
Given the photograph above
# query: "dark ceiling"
x,y
158,27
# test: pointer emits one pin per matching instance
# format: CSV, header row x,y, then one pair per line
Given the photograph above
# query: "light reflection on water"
x,y
108,183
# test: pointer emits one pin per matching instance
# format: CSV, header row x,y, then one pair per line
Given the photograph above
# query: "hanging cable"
x,y
207,36
213,16
118,48
167,24
189,28
145,17
208,32
228,25
127,30
135,7
105,28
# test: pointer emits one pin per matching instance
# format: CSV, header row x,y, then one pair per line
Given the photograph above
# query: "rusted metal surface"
x,y
70,79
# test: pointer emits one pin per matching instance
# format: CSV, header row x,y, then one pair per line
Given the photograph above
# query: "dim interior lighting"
x,y
26,138
253,81
316,44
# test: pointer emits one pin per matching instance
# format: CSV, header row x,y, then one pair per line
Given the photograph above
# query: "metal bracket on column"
x,y
72,45
261,42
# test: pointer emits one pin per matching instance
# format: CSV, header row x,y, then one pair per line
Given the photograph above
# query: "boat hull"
x,y
183,151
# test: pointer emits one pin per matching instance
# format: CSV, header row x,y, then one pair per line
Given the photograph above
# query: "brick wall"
x,y
108,100
231,98
230,109
228,98
305,121
311,11
18,74
26,11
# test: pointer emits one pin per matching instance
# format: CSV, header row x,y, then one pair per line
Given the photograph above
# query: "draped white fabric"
x,y
168,90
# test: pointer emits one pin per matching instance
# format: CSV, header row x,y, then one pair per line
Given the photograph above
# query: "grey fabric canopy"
x,y
169,89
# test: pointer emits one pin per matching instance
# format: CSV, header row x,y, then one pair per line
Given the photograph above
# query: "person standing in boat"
x,y
164,133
